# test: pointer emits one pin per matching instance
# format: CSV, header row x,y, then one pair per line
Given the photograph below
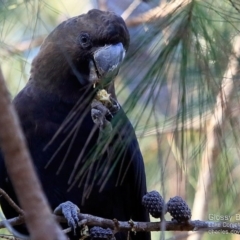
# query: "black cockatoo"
x,y
75,159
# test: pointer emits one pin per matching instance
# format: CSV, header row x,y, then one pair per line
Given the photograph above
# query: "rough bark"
x,y
38,217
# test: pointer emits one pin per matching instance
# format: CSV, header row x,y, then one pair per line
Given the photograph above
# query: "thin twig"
x,y
158,13
11,202
130,9
13,221
234,5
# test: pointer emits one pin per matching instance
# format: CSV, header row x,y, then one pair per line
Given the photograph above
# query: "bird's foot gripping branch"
x,y
70,212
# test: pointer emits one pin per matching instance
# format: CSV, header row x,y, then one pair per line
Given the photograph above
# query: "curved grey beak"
x,y
106,61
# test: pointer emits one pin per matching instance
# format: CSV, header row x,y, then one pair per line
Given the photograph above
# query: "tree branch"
x,y
11,202
18,162
117,226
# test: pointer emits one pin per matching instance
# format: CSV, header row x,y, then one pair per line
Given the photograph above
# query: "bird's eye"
x,y
85,40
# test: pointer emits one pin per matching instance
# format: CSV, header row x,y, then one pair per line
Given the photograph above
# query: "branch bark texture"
x,y
39,219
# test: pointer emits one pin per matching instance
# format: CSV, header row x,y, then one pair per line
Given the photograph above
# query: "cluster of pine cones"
x,y
176,206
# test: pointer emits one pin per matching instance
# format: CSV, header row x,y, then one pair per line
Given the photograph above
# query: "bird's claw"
x,y
70,211
99,113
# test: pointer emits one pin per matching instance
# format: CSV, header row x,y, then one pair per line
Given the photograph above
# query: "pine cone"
x,y
154,203
101,233
179,209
